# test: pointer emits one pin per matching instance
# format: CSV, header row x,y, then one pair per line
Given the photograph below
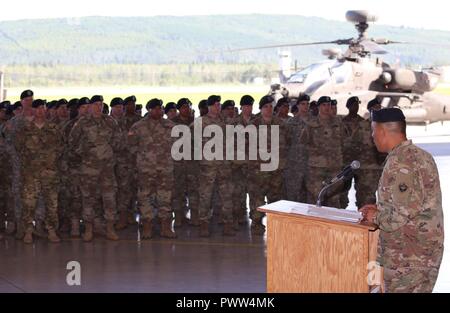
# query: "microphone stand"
x,y
328,185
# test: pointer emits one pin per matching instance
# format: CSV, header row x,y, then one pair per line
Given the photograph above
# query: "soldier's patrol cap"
x,y
182,102
138,107
388,115
247,100
373,103
352,100
51,105
203,104
62,102
129,99
4,105
228,104
265,100
116,101
153,103
84,101
17,105
170,106
73,102
213,99
324,99
282,101
26,94
303,97
96,98
313,104
333,102
38,102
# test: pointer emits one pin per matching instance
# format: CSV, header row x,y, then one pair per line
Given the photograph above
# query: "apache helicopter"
x,y
357,73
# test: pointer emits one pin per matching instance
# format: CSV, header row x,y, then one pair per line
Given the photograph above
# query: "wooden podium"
x,y
312,254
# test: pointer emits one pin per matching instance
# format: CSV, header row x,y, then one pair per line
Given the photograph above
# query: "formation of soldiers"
x,y
74,167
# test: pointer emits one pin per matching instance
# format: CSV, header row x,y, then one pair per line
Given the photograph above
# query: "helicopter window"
x,y
341,72
301,76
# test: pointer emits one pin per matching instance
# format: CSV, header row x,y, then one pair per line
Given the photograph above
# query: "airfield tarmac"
x,y
187,264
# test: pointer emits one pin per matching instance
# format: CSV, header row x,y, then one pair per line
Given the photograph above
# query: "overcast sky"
x,y
421,14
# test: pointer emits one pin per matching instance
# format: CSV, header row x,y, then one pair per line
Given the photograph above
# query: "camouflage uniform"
x,y
297,160
410,219
214,174
359,145
39,150
186,179
94,142
324,141
151,143
264,183
125,171
6,197
71,167
130,195
240,173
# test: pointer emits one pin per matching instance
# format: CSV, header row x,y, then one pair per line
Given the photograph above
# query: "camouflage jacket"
x,y
410,210
296,151
129,120
94,141
206,121
359,145
238,146
39,149
179,121
324,142
151,143
282,140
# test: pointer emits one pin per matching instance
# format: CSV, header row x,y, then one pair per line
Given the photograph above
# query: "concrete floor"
x,y
187,264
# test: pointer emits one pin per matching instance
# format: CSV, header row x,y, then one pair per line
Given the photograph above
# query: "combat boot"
x,y
257,228
194,218
28,237
179,219
19,231
111,232
75,228
147,232
228,229
10,228
88,232
99,226
52,236
123,221
166,229
40,230
204,229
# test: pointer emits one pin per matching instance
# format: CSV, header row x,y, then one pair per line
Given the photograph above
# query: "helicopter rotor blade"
x,y
335,42
373,47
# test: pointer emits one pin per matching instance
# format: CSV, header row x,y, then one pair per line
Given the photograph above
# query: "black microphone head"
x,y
355,165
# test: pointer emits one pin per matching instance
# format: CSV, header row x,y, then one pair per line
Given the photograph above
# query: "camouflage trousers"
x,y
185,186
75,208
95,184
211,177
316,175
45,184
240,183
410,280
366,184
6,196
64,195
126,188
294,178
262,185
155,192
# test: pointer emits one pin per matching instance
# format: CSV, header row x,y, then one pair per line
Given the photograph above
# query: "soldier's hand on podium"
x,y
369,211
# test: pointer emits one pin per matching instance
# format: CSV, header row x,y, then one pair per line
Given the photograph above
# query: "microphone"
x,y
346,172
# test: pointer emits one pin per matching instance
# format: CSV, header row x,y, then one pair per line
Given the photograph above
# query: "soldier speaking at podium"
x,y
408,210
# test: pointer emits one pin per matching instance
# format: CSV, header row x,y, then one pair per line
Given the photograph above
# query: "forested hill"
x,y
168,39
